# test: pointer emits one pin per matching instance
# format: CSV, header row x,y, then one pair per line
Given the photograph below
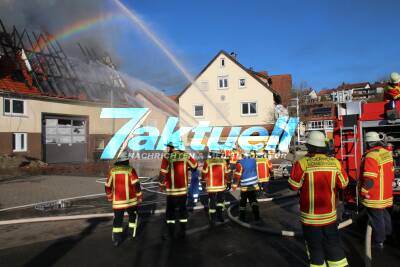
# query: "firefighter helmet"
x,y
170,144
372,137
174,143
245,153
124,156
395,77
316,138
215,154
260,154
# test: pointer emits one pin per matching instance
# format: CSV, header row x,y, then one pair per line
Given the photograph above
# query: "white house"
x,y
225,93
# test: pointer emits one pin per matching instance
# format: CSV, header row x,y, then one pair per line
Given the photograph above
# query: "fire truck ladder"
x,y
348,135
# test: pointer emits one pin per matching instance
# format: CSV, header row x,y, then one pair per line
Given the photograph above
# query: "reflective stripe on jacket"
x,y
376,178
264,169
246,174
175,172
215,173
392,92
123,187
318,176
234,157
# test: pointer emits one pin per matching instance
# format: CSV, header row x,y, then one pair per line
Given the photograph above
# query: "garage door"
x,y
65,139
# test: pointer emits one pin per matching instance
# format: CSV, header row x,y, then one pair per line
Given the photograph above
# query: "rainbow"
x,y
74,28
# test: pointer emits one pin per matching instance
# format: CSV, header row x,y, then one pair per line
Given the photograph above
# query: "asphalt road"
x,y
88,243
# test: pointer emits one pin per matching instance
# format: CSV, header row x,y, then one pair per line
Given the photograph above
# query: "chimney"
x,y
234,55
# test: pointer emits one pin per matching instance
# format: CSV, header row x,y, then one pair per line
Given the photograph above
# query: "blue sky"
x,y
322,43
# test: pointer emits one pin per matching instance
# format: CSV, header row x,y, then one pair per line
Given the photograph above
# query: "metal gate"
x,y
64,138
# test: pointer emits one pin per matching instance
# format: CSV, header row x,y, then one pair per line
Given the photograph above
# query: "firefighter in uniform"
x,y
215,175
376,188
123,189
227,154
173,177
246,176
392,91
264,170
194,189
318,177
233,159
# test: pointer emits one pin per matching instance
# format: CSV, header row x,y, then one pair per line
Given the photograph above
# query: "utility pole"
x,y
298,115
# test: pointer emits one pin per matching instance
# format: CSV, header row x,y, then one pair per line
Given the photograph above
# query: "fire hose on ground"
x,y
279,232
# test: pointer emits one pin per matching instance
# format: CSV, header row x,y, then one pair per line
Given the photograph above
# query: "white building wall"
x,y
216,109
31,122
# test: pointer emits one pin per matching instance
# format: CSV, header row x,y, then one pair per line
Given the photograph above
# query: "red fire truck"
x,y
354,120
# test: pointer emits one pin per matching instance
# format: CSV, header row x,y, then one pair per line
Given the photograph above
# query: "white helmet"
x,y
372,137
316,138
395,77
123,157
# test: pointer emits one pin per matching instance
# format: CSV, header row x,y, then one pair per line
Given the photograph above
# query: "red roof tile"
x,y
17,87
352,86
325,92
173,97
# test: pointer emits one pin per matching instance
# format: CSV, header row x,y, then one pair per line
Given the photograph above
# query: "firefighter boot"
x,y
171,231
212,216
116,239
116,236
220,215
242,214
256,213
182,230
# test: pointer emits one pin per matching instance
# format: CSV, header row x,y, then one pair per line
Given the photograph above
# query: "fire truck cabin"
x,y
353,121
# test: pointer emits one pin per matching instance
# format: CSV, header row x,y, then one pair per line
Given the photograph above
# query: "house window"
x,y
99,144
198,111
329,124
249,108
222,62
14,107
204,85
316,125
223,82
20,142
242,83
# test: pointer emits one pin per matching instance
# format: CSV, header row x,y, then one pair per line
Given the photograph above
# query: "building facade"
x,y
225,93
50,108
54,130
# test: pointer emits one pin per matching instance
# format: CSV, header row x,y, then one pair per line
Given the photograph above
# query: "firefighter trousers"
x,y
251,196
381,223
194,188
232,167
216,205
324,246
119,218
264,187
176,203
